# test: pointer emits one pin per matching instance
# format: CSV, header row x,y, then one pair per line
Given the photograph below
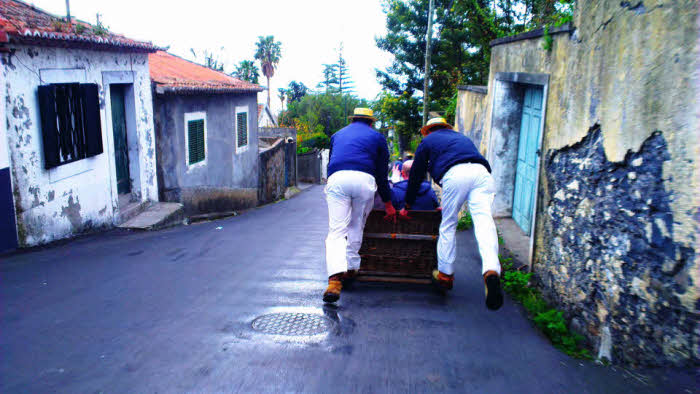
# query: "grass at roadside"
x,y
547,318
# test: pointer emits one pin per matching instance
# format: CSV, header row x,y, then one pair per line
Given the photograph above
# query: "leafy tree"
x,y
460,49
247,71
344,82
399,113
319,112
330,80
296,91
268,53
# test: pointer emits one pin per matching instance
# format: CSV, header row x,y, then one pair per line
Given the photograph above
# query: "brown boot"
x,y
335,284
492,284
443,281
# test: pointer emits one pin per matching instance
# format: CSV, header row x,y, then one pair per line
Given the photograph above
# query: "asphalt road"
x,y
172,311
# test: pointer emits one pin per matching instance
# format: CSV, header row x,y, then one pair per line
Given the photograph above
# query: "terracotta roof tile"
x,y
171,73
24,23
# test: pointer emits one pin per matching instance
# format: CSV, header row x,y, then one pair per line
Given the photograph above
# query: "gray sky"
x,y
310,31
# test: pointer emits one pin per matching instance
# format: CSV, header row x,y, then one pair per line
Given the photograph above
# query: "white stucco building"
x,y
79,124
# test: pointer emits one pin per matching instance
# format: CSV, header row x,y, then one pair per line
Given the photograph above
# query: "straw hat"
x,y
363,113
435,123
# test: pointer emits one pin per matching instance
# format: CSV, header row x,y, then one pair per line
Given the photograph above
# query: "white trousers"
x,y
350,196
471,183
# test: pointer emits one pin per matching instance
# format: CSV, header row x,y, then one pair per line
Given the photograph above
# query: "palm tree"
x,y
282,95
268,53
247,71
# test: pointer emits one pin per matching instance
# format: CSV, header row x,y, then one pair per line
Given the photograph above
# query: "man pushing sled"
x,y
465,176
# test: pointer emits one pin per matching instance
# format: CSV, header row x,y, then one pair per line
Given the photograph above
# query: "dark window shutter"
x,y
242,127
49,130
195,140
91,117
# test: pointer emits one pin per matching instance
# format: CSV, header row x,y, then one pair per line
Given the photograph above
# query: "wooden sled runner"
x,y
402,252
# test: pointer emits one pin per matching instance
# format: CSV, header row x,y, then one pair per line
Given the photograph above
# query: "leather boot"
x,y
492,285
443,281
335,285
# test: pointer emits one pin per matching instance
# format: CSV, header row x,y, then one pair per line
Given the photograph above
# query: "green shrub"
x,y
546,318
465,222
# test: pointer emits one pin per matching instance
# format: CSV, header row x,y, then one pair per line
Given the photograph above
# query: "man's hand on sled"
x,y
403,214
390,212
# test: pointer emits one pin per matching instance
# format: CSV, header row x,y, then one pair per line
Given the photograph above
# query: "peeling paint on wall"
x,y
79,196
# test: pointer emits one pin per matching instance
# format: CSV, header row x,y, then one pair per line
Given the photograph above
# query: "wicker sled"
x,y
404,252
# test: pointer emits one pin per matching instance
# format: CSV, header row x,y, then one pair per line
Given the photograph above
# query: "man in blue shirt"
x,y
426,200
465,176
357,167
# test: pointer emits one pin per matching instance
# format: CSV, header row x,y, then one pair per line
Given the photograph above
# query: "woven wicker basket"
x,y
401,252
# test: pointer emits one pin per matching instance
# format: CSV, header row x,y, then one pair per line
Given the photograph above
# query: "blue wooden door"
x,y
528,147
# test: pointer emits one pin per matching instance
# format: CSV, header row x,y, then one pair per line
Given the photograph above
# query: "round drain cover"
x,y
292,324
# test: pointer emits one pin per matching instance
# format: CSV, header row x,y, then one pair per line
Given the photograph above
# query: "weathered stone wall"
x,y
469,119
82,195
272,162
616,231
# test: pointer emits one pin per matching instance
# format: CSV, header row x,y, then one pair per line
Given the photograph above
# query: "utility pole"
x,y
426,78
68,12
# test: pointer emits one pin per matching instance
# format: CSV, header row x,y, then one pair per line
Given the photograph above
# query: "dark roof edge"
x,y
164,90
528,35
474,88
82,44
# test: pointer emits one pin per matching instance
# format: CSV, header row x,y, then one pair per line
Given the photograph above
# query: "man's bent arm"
x,y
381,168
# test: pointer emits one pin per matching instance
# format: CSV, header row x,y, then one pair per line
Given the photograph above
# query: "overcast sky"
x,y
310,31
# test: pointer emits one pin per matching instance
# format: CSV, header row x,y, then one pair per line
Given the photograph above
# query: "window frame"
x,y
189,117
84,122
239,110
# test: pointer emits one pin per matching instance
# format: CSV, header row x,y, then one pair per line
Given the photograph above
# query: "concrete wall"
x,y
616,231
469,120
228,178
309,167
79,196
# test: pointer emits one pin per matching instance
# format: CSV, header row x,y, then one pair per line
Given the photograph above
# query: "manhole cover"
x,y
292,324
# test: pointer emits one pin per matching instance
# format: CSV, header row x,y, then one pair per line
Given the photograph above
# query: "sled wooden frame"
x,y
402,252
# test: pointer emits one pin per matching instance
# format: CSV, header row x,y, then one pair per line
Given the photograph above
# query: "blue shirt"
x,y
426,200
358,147
437,153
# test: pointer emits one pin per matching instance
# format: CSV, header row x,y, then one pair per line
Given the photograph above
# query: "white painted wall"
x,y
74,197
325,157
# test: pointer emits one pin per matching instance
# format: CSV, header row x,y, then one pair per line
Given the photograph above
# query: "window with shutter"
x,y
70,122
195,141
241,130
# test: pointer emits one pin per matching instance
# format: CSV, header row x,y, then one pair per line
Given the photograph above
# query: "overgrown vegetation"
x,y
550,320
465,222
100,29
564,14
